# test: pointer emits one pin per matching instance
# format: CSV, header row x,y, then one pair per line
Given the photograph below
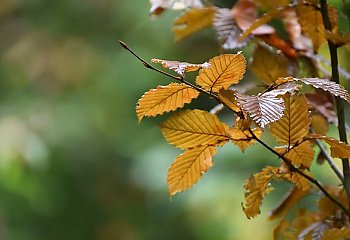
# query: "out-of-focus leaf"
x,y
224,70
280,229
319,124
164,99
339,149
301,155
180,67
291,198
337,38
269,65
191,128
322,102
295,123
159,6
192,21
228,98
336,234
189,167
256,188
277,42
227,30
271,4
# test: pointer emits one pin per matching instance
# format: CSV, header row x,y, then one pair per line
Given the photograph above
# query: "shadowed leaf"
x,y
228,98
336,234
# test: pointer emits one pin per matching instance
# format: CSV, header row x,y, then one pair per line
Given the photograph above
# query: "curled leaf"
x,y
159,6
180,67
339,149
228,98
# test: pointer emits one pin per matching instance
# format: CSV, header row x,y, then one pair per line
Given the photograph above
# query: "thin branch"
x,y
339,102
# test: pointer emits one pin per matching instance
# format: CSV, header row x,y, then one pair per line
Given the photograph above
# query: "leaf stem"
x,y
338,101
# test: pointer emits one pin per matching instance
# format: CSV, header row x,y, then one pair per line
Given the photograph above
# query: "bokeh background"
x,y
74,163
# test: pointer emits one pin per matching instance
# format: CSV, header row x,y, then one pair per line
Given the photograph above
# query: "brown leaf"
x,y
339,149
241,136
269,65
227,97
300,155
224,70
164,99
189,167
336,234
191,128
271,4
284,173
159,6
295,123
227,30
192,21
319,124
277,42
322,102
180,67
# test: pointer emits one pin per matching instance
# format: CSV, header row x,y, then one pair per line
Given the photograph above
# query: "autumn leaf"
x,y
295,123
336,234
224,70
319,124
192,21
227,97
191,128
271,4
159,6
189,167
227,30
180,67
256,188
285,173
339,149
300,155
164,99
242,137
322,102
269,65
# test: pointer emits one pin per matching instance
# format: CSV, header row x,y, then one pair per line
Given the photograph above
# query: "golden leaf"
x,y
191,128
269,65
227,30
271,4
336,234
189,167
243,138
284,173
224,70
227,97
295,123
179,67
300,155
291,198
319,124
339,149
256,188
164,99
192,21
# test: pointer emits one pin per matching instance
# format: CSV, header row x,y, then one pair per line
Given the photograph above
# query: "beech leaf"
x,y
164,99
241,136
192,21
159,6
339,149
336,234
300,156
223,71
180,67
189,167
228,98
191,128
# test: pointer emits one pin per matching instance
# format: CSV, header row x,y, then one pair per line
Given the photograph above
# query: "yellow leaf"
x,y
295,123
243,138
189,167
179,67
227,97
339,149
300,155
164,99
256,188
224,70
192,21
284,173
269,65
292,197
336,234
191,128
319,124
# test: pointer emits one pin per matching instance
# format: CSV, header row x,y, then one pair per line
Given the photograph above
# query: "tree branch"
x,y
338,101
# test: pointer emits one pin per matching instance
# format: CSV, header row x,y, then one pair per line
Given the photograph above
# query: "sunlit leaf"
x,y
159,6
189,167
192,21
228,98
285,173
295,123
224,70
164,99
256,188
339,149
300,155
241,136
336,234
180,67
291,198
269,65
227,30
191,128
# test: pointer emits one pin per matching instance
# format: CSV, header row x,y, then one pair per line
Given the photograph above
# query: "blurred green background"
x,y
74,163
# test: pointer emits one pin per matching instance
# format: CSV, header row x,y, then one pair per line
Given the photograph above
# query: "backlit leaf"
x,y
295,123
336,234
339,149
192,21
227,97
180,67
189,167
256,188
269,65
191,128
164,99
301,155
227,30
224,70
241,136
284,173
159,6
